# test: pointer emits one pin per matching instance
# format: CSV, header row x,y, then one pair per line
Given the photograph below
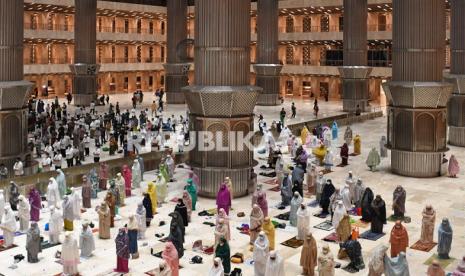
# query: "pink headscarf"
x,y
170,255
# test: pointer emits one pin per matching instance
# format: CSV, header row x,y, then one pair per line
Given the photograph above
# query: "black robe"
x,y
147,202
378,218
328,191
367,198
177,219
177,238
182,210
354,251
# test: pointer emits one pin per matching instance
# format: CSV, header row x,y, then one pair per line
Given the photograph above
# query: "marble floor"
x,y
445,194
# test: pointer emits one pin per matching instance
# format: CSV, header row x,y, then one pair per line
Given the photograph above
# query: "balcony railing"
x,y
310,29
30,61
123,30
131,60
380,28
48,27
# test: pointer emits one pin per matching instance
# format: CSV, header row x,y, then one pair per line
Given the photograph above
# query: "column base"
x,y
417,164
457,136
211,179
84,99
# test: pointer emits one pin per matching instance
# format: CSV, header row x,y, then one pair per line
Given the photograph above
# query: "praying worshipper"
x,y
147,203
186,199
312,175
398,202
334,130
75,199
35,202
296,202
133,229
110,201
169,161
308,256
303,222
367,199
320,153
221,231
326,262
223,216
354,252
8,226
344,154
141,221
230,187
127,175
86,192
325,200
192,190
298,174
275,265
161,188
55,226
24,214
61,181
136,174
378,218
263,203
33,243
256,222
399,239
328,161
396,266
122,251
338,213
376,262
427,225
103,176
286,189
383,147
151,191
348,136
86,241
320,183
373,159
70,255
223,198
357,145
53,193
435,269
269,229
223,252
68,213
453,168
359,190
170,256
182,210
261,251
444,239
176,236
346,197
18,168
217,268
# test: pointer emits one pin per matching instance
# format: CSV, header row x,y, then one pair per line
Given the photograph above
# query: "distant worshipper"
x,y
397,266
398,202
357,145
127,175
33,243
191,188
344,154
346,197
161,188
86,241
256,222
308,255
367,199
328,161
334,130
286,189
229,185
326,262
53,193
151,191
348,135
320,153
55,226
444,239
133,229
312,175
373,159
320,183
24,214
221,231
269,229
136,174
378,219
261,251
147,203
223,198
338,213
18,167
359,190
61,180
344,229
86,192
35,202
454,167
399,239
140,218
263,203
383,147
296,201
354,252
303,222
186,199
110,201
327,192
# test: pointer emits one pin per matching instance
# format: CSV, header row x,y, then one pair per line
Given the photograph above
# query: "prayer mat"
x,y
360,224
425,247
275,189
212,211
354,154
284,216
17,233
326,171
46,245
320,215
325,225
6,248
313,204
331,237
153,272
404,219
368,235
442,262
342,165
293,243
271,181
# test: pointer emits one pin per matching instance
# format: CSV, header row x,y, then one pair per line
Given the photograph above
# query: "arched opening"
x,y
424,132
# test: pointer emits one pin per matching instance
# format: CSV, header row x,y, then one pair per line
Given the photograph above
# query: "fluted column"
x,y
456,76
14,91
417,117
176,69
268,67
355,72
221,101
85,69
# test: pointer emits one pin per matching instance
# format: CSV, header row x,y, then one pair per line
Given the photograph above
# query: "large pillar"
x,y
456,76
417,114
355,72
176,69
85,69
268,67
14,91
221,101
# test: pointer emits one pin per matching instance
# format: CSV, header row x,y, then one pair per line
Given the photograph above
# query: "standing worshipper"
x,y
140,160
53,193
303,222
328,161
398,202
286,189
326,262
328,191
367,198
308,256
348,136
8,226
427,225
269,229
376,262
24,214
312,175
103,175
136,174
223,252
256,222
111,204
344,154
152,192
275,265
296,201
398,239
35,202
453,168
76,203
334,130
13,195
444,239
61,180
186,198
346,197
70,255
176,236
133,229
221,231
344,229
373,159
223,216
338,213
170,165
217,268
357,145
170,256
68,213
320,183
141,221
147,203
378,218
86,192
121,185
182,210
104,221
122,251
260,254
223,198
127,175
359,190
263,203
382,147
161,189
55,225
229,185
192,190
86,241
195,178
